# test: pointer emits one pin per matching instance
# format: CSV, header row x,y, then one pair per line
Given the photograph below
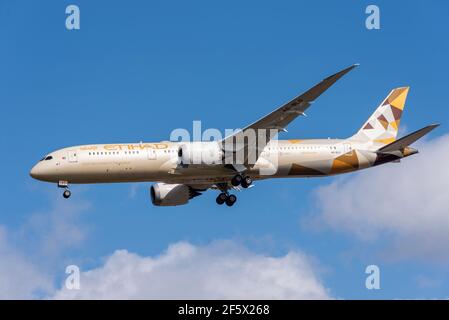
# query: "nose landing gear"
x,y
64,184
66,194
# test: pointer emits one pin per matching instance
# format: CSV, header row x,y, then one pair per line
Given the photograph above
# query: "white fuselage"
x,y
139,162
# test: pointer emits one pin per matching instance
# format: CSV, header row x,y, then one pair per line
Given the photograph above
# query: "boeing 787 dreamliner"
x,y
183,170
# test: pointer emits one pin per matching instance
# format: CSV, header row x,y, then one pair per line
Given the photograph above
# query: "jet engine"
x,y
163,194
200,153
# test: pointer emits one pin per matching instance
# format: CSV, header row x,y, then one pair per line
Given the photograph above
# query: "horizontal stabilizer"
x,y
408,139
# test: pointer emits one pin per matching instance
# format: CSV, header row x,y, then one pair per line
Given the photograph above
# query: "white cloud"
x,y
19,277
406,204
220,270
55,229
30,255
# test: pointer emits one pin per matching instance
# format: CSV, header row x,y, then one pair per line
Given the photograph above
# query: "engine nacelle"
x,y
163,194
200,153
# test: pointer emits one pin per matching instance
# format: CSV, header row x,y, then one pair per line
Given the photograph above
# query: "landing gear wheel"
x,y
66,194
221,198
231,200
246,182
236,180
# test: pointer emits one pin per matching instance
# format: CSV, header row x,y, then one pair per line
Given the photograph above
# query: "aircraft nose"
x,y
36,172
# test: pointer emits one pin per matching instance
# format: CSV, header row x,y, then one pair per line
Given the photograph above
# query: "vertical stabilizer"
x,y
382,127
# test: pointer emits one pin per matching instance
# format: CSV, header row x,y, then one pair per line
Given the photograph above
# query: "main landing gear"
x,y
230,199
64,184
224,197
244,182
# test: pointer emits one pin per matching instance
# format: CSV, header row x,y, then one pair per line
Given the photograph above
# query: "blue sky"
x,y
136,70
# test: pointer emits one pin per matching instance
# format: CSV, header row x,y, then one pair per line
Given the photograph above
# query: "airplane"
x,y
180,171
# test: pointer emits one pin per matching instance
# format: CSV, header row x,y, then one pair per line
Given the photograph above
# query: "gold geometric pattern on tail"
x,y
382,127
397,98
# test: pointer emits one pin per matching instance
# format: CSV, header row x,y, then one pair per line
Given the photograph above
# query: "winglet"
x,y
325,84
341,73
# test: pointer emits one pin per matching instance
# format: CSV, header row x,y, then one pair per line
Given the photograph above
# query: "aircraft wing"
x,y
269,126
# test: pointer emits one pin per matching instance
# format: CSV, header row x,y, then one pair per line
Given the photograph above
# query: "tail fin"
x,y
382,127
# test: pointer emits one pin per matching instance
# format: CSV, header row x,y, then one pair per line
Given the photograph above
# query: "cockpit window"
x,y
46,158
